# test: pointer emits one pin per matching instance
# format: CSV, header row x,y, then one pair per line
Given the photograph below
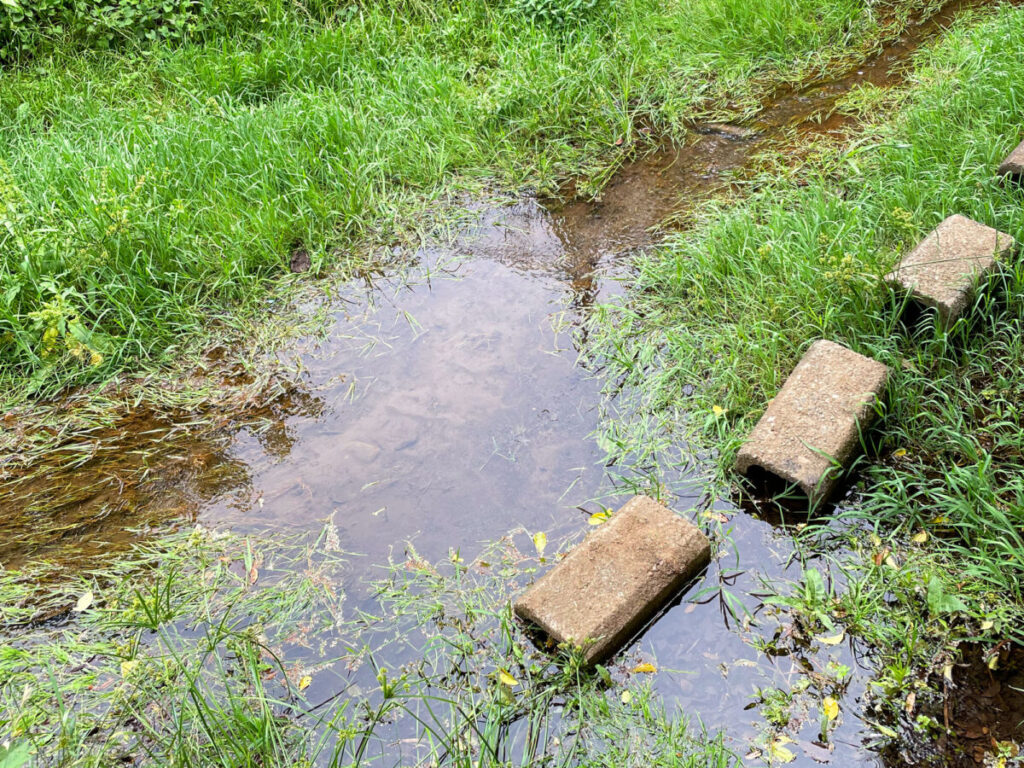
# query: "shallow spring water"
x,y
445,407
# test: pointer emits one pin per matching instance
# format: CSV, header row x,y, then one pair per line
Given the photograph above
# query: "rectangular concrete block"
x,y
606,589
1013,166
811,430
944,269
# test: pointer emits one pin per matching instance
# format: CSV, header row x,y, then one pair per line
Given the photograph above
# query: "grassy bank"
x,y
154,195
719,316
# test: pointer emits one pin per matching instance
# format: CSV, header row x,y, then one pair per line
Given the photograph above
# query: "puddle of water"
x,y
445,407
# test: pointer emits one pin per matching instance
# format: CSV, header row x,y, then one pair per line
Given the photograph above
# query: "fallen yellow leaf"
x,y
920,538
780,753
84,602
899,453
831,639
626,697
540,541
646,668
304,682
506,679
718,410
599,517
830,707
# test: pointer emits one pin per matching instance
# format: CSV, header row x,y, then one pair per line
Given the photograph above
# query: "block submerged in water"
x,y
944,269
1013,166
605,590
812,429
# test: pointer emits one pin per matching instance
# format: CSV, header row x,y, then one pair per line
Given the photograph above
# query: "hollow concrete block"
x,y
1013,166
943,270
607,588
811,430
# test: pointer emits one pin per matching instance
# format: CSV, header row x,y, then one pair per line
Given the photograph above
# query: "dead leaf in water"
x,y
305,681
831,639
646,668
84,602
816,752
540,541
718,517
778,751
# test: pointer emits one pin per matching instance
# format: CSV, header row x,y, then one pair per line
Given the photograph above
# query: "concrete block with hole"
x,y
944,269
812,430
609,586
1013,166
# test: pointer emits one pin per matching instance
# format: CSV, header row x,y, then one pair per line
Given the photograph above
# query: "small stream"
x,y
445,407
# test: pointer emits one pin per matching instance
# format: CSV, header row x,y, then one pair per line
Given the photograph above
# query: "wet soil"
x,y
977,711
444,407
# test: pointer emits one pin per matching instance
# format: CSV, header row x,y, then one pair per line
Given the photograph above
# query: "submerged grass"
x,y
216,649
720,314
152,196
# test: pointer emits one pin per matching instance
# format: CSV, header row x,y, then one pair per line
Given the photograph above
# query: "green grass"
x,y
153,196
720,314
206,648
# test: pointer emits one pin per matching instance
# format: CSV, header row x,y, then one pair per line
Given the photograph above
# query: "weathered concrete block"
x,y
1013,166
622,573
812,428
942,271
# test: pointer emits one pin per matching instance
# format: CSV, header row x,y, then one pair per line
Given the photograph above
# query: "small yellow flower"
x,y
718,410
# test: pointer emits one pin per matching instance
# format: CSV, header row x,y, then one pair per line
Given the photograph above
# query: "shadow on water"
x,y
444,406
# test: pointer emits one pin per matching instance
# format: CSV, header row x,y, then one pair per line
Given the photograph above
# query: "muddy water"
x,y
444,407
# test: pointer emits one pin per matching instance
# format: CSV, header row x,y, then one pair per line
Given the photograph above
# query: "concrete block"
x,y
606,589
944,269
1013,166
812,428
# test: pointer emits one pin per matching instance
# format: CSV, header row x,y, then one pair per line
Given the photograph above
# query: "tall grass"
x,y
721,314
151,194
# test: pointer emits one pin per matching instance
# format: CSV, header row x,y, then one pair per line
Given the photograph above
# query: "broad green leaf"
x,y
939,602
15,755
